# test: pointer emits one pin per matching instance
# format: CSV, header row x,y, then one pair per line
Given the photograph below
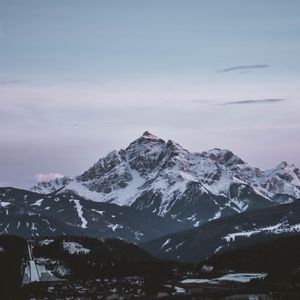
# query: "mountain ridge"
x,y
227,233
29,214
164,178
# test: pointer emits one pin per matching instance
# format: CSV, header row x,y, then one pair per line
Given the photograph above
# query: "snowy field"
x,y
75,248
236,277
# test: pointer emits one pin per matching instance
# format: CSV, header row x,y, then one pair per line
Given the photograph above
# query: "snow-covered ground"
x,y
165,243
114,227
198,280
37,202
78,207
45,242
179,290
236,277
75,248
34,275
4,204
274,229
62,271
100,212
242,277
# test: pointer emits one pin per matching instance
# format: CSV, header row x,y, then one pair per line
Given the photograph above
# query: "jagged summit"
x,y
283,165
146,140
147,137
162,177
224,156
147,134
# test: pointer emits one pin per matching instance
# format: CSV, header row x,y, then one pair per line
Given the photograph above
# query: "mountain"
x,y
29,214
278,255
228,233
163,178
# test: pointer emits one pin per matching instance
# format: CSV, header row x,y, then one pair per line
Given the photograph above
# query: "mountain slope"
x,y
16,217
277,255
227,233
28,214
163,178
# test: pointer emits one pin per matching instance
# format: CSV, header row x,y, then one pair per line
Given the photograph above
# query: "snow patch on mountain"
x,y
78,207
37,202
75,248
101,212
46,242
4,204
279,228
165,243
114,227
127,195
235,277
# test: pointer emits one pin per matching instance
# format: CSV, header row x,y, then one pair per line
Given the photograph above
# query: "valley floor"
x,y
82,268
133,288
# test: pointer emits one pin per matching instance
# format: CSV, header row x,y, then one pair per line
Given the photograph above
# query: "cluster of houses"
x,y
97,289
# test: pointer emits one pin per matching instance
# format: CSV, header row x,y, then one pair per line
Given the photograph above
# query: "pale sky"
x,y
81,78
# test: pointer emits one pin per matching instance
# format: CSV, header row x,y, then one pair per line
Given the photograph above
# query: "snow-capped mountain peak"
x,y
287,172
164,178
144,153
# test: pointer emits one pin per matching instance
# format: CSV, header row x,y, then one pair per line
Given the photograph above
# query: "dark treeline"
x,y
280,258
13,250
110,258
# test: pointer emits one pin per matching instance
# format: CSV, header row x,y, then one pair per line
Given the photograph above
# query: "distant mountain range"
x,y
154,188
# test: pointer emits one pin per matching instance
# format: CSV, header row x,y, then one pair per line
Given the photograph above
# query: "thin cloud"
x,y
258,101
47,177
202,101
9,81
243,68
67,124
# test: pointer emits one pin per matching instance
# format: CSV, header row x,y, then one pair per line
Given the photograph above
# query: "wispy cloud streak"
x,y
243,68
258,101
9,81
47,177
